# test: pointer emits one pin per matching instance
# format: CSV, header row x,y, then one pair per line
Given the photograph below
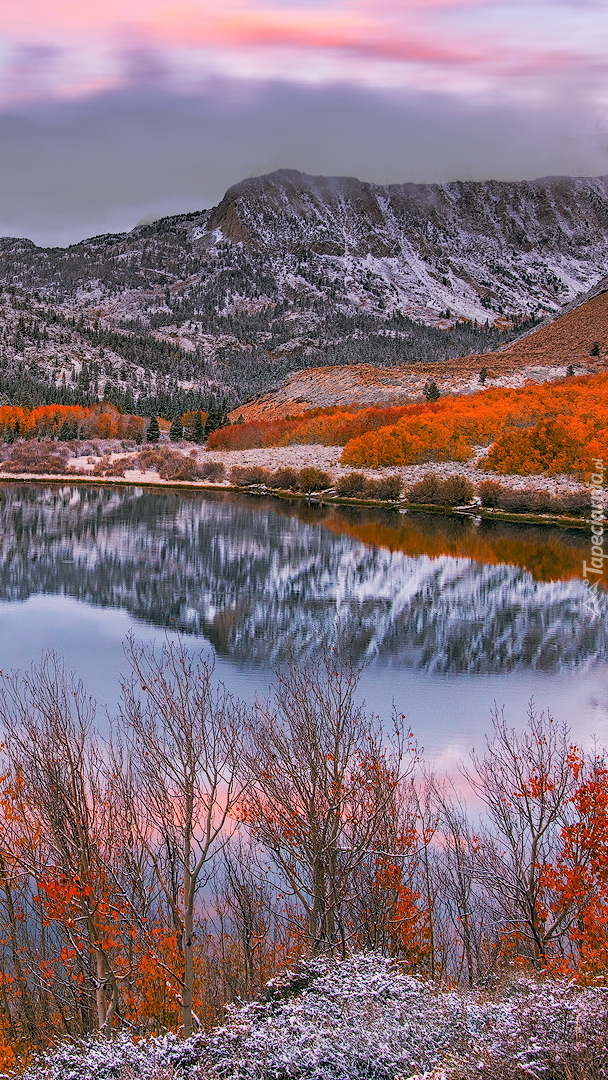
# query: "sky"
x,y
112,113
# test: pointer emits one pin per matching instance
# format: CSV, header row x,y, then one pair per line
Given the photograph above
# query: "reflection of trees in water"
x,y
258,578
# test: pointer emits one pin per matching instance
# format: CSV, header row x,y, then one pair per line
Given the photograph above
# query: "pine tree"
x,y
153,430
68,430
432,392
216,418
176,432
198,429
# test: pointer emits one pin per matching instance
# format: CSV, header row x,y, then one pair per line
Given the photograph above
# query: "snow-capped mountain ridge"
x,y
445,237
291,271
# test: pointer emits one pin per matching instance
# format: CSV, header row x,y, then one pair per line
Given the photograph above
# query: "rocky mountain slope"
x,y
575,342
291,271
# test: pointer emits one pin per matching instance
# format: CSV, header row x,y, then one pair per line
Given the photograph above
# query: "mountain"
x,y
291,271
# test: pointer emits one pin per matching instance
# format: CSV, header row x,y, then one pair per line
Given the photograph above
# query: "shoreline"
x,y
312,499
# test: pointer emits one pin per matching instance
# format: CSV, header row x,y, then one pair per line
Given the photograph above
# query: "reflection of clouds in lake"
x,y
451,714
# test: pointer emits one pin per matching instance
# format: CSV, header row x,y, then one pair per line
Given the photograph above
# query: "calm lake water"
x,y
450,616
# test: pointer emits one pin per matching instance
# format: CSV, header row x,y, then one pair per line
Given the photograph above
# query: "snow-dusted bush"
x,y
360,1019
122,1057
344,1021
545,1028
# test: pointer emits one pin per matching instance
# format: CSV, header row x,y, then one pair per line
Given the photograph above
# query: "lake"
x,y
449,615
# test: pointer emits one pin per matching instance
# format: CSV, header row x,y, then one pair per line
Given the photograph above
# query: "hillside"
x,y
291,271
540,356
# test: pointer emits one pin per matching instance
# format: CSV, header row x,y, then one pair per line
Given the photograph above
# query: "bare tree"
x,y
63,808
251,935
526,783
325,778
460,910
184,734
389,910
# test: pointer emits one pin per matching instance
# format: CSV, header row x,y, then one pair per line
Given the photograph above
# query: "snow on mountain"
x,y
473,247
291,271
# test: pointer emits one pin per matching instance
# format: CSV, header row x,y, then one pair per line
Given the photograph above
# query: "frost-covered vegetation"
x,y
362,1019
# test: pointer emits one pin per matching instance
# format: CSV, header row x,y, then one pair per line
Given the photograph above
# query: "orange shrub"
x,y
330,427
551,428
339,427
408,443
248,475
246,436
213,471
547,447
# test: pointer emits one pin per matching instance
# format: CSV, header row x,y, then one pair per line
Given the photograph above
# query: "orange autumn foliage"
x,y
547,447
330,427
101,421
579,878
550,428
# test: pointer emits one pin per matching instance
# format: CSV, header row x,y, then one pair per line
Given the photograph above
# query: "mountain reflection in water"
x,y
259,578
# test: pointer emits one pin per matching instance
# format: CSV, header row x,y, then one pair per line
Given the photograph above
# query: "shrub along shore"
x,y
431,490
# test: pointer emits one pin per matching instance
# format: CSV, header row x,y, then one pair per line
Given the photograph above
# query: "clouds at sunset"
x,y
92,95
71,49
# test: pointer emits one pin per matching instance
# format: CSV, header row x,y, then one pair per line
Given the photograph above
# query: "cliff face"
x,y
292,271
469,246
257,581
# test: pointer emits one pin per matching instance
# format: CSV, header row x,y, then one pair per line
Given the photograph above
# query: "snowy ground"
x,y
328,458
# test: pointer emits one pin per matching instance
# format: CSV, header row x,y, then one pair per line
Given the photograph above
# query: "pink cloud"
x,y
439,39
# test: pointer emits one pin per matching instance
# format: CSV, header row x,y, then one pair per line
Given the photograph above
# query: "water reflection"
x,y
257,578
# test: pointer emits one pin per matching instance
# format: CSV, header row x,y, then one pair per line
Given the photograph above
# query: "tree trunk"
x,y
188,935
